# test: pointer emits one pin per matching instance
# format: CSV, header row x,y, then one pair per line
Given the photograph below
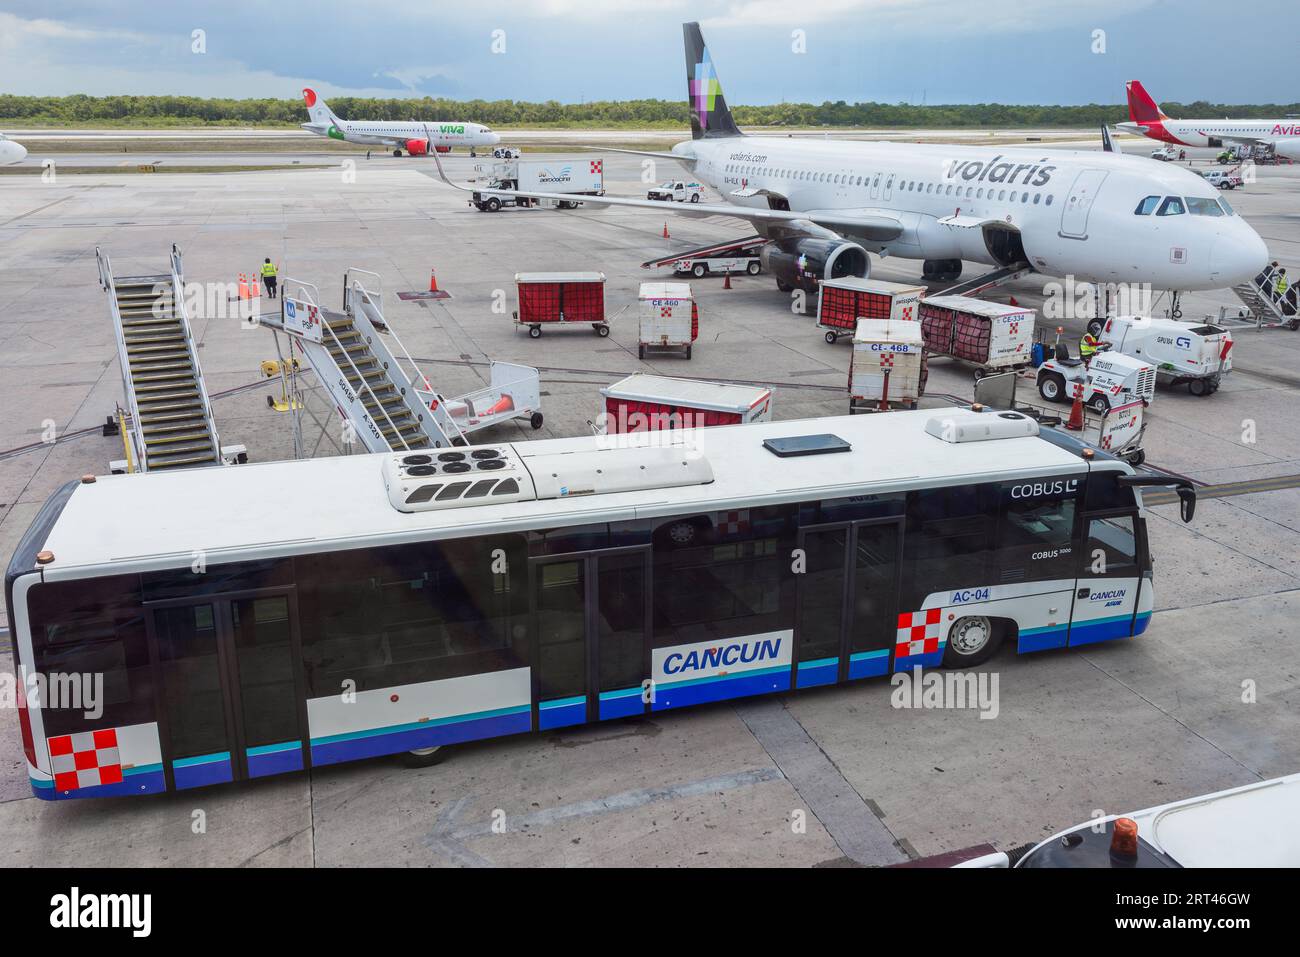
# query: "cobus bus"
x,y
229,624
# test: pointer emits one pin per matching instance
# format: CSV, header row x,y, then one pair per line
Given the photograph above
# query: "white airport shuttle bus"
x,y
288,615
1145,117
1100,217
415,137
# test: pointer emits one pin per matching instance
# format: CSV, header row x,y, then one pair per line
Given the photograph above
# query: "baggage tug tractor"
x,y
1197,356
1110,379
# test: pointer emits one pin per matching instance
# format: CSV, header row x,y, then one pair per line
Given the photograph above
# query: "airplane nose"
x,y
1237,257
494,139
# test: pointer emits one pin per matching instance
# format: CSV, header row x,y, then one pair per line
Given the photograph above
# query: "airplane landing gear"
x,y
941,270
397,152
1175,310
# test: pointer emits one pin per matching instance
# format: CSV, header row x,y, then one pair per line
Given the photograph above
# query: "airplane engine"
x,y
442,149
1288,149
801,262
417,147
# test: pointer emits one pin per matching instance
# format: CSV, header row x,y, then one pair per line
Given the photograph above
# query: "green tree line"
x,y
197,111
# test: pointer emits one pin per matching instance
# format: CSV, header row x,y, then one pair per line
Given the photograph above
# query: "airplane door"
x,y
1078,204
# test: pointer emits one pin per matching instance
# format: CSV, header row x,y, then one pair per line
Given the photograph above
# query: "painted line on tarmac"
x,y
448,836
850,820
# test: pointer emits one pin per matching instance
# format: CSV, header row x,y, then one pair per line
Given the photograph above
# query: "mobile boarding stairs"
x,y
375,383
1265,306
166,422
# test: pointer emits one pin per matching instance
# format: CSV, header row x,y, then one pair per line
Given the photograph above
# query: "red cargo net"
x,y
936,329
627,415
844,307
562,301
971,337
695,321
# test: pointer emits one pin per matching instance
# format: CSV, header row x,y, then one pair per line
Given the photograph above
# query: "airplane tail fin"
x,y
1141,108
709,114
318,109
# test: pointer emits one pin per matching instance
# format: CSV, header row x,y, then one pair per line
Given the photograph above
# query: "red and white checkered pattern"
x,y
85,759
1105,441
597,165
908,313
887,361
1015,328
734,523
918,632
665,312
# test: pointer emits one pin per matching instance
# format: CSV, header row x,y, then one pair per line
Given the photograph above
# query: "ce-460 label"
x,y
970,594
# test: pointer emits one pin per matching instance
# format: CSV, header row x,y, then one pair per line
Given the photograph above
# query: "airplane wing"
x,y
859,223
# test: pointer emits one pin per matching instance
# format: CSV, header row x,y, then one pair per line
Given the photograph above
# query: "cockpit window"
x,y
1199,206
1172,206
1147,206
1228,210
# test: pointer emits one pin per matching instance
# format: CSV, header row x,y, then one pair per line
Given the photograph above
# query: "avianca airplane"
x,y
1148,119
1101,217
415,138
10,152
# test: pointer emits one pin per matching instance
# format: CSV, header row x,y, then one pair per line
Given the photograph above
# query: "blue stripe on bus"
x,y
678,694
621,704
823,671
869,664
204,769
907,662
561,713
1106,629
147,780
337,748
274,759
1043,639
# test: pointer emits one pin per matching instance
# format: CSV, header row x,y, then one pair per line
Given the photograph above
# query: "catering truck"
x,y
577,177
1197,356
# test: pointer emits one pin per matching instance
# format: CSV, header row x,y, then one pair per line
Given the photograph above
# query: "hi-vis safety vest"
x,y
1280,285
268,269
1087,346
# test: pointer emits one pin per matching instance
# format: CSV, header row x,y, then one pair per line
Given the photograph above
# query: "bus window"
x,y
1037,530
1112,542
403,614
723,575
89,628
948,540
215,579
1104,492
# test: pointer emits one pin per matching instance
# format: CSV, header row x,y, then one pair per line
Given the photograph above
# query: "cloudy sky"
x,y
939,51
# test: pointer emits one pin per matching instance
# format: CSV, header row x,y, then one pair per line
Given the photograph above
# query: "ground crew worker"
x,y
268,277
1088,346
1279,286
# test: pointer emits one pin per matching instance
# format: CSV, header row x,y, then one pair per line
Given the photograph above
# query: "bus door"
x,y
232,699
1109,577
591,616
847,606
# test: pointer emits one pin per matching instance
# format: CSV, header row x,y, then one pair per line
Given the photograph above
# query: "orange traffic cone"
x,y
433,280
666,236
243,287
1075,424
726,282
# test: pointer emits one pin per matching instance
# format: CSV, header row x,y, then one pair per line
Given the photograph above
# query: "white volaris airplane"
x,y
1147,118
11,152
414,137
1100,217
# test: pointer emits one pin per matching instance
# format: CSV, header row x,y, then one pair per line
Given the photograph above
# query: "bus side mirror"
x,y
1186,502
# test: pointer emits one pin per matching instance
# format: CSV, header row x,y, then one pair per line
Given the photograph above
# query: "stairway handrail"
x,y
123,359
178,309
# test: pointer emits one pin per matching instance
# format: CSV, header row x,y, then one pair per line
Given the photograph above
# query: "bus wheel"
x,y
972,641
422,757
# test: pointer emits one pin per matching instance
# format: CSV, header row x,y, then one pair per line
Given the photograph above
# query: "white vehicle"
x,y
507,152
1249,826
1109,379
1146,117
1197,356
676,191
669,319
11,152
827,204
1164,153
560,178
721,265
1223,178
417,138
887,369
